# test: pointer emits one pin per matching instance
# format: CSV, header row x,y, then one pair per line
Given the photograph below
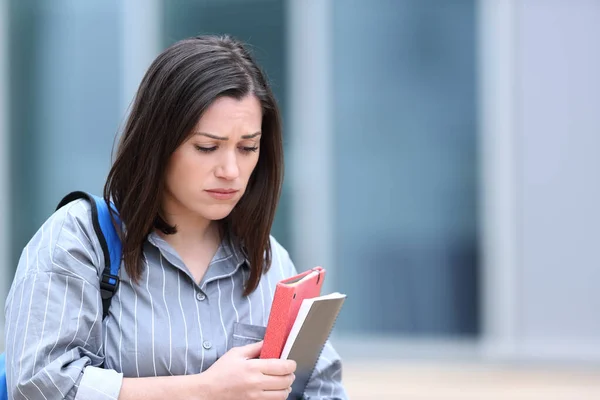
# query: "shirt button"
x,y
207,345
200,296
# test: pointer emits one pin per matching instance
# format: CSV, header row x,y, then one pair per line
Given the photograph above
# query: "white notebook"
x,y
310,331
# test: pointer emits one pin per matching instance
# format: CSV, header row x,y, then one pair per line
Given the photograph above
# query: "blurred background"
x,y
441,163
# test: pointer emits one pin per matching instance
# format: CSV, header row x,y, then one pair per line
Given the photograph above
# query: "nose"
x,y
228,167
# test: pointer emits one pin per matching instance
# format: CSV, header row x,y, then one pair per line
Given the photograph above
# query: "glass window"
x,y
406,245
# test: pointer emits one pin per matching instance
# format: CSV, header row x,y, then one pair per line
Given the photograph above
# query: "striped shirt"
x,y
58,345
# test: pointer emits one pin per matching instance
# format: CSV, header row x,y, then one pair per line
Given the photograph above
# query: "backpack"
x,y
111,248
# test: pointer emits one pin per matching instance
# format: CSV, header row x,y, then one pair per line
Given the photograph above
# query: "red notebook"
x,y
287,300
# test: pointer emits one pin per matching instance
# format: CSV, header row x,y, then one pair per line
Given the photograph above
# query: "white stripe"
x,y
26,327
23,394
76,259
247,297
152,310
62,396
135,331
25,334
120,328
269,286
168,314
320,387
161,239
69,272
333,383
9,307
221,316
93,323
83,247
237,316
50,247
201,334
82,204
262,292
105,322
324,360
62,317
38,388
184,323
37,349
78,315
221,259
279,262
20,304
246,337
37,253
74,382
217,278
81,229
337,371
99,391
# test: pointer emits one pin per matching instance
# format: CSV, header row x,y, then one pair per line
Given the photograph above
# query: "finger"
x,y
272,382
250,351
276,394
274,366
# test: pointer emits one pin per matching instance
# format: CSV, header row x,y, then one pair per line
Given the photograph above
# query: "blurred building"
x,y
442,155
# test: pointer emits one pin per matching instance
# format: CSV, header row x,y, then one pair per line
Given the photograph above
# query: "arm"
x,y
54,315
54,321
164,387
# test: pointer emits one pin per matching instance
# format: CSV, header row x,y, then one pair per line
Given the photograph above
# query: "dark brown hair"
x,y
178,87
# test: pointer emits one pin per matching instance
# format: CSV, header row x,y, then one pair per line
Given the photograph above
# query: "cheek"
x,y
185,173
250,165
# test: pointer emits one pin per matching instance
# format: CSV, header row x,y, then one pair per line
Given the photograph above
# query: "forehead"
x,y
228,113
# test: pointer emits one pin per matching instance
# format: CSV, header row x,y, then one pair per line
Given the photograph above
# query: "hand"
x,y
240,375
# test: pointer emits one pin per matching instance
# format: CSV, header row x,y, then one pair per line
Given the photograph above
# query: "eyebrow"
x,y
210,135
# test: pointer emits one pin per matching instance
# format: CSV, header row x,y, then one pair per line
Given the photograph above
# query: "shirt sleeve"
x,y
326,380
54,314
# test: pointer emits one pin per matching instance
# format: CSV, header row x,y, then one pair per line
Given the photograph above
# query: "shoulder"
x,y
281,263
65,243
276,246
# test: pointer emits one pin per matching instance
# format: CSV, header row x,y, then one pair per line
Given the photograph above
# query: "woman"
x,y
196,182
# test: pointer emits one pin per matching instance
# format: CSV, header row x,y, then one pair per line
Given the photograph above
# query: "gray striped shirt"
x,y
56,340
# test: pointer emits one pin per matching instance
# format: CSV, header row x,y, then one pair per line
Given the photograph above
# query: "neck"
x,y
192,229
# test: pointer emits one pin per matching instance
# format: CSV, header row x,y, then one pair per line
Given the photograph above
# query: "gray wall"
x,y
558,130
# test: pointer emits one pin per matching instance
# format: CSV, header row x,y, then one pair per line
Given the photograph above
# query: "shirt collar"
x,y
228,258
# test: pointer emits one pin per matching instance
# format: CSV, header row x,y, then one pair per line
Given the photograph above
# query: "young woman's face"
x,y
208,173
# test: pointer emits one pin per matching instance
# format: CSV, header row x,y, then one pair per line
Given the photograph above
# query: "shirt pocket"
x,y
244,334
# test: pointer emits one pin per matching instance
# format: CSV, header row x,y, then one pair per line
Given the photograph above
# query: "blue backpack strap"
x,y
3,387
109,242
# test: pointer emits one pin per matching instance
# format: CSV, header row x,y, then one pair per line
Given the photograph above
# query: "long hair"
x,y
178,87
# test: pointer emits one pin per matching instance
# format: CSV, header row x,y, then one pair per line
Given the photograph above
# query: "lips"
x,y
222,191
222,194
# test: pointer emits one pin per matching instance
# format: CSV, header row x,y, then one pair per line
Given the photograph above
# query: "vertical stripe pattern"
x,y
58,346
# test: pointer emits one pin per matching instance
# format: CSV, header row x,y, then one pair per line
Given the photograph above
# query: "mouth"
x,y
222,194
222,191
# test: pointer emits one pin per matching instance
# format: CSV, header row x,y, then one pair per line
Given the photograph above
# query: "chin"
x,y
217,213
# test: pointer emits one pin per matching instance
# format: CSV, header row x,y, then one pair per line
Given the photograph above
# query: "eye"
x,y
205,149
247,149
